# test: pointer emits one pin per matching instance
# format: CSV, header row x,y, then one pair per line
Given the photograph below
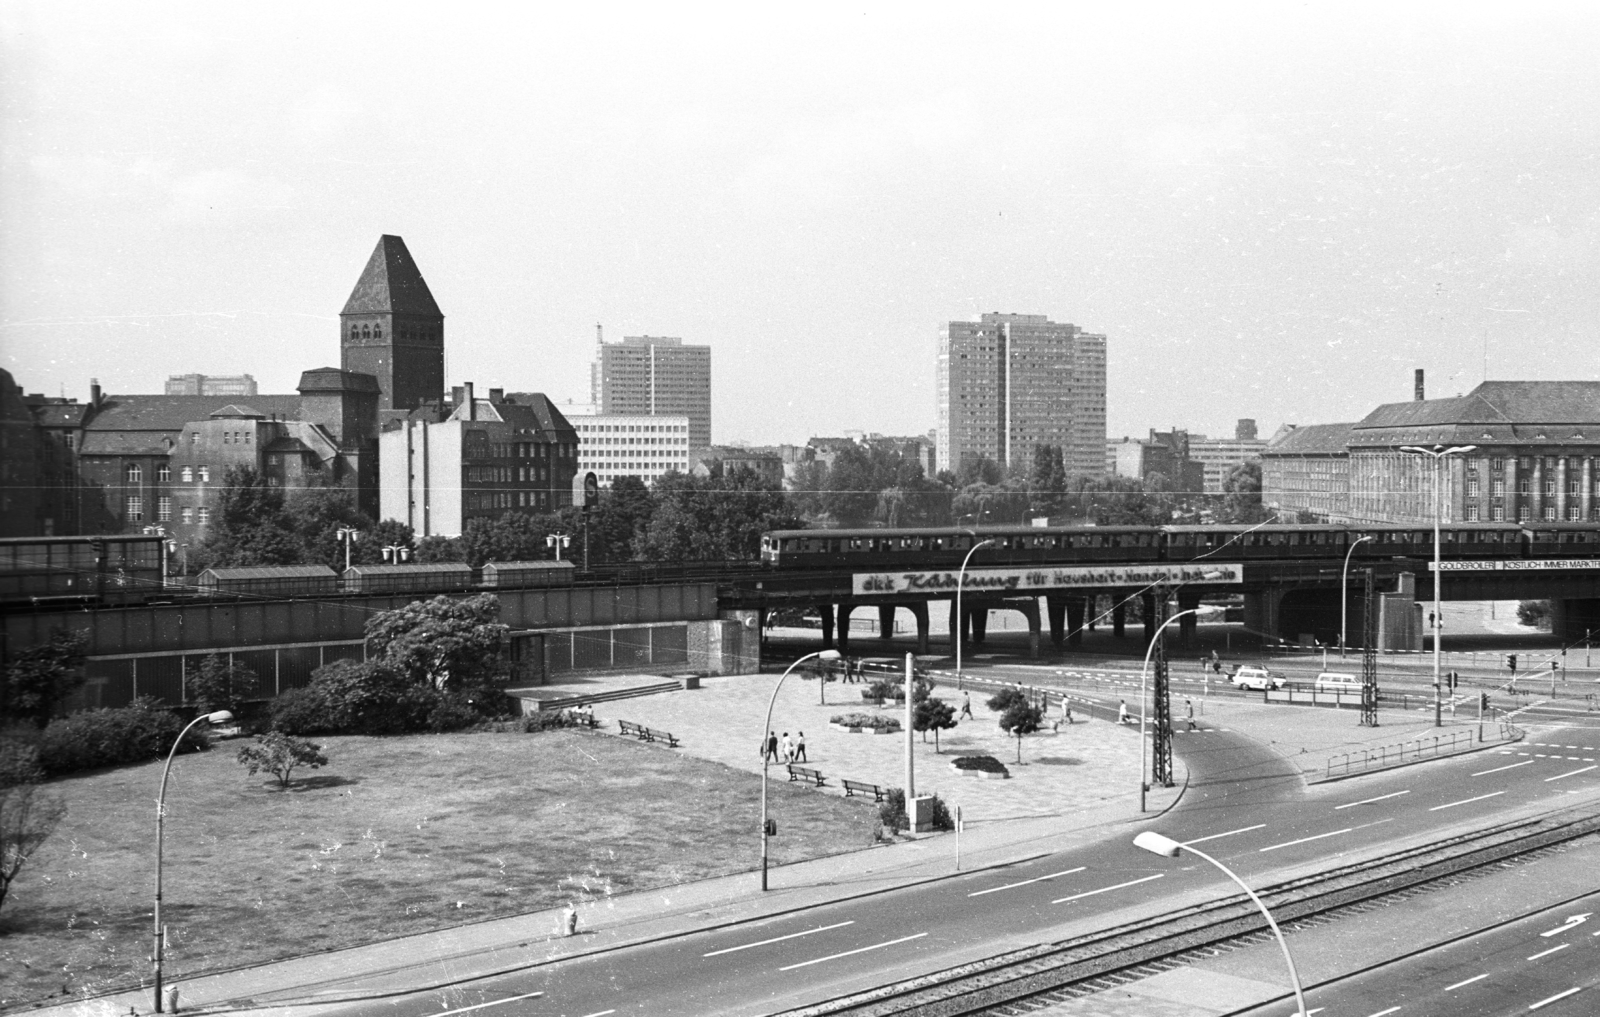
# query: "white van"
x,y
1255,679
1338,681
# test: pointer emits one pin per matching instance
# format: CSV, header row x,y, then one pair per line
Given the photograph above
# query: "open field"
x,y
396,836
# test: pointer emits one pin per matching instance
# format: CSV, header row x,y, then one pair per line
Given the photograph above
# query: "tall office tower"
x,y
391,329
1008,382
658,377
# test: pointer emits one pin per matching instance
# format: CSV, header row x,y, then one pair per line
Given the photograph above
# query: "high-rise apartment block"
x,y
655,376
210,385
1008,382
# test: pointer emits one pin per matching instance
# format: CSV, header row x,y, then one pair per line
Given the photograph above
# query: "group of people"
x,y
850,669
789,750
1124,717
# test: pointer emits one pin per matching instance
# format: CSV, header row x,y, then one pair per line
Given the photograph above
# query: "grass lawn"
x,y
395,836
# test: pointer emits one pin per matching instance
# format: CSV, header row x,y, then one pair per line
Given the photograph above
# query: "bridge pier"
x,y
1119,619
886,621
825,611
1147,600
980,623
1188,601
1077,609
919,611
844,628
1574,621
1056,608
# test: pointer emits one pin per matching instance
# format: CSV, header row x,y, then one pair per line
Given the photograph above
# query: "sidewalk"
x,y
1073,786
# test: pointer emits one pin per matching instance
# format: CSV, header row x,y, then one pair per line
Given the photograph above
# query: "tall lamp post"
x,y
1438,452
1144,675
557,541
347,535
1344,593
396,553
220,717
766,757
961,619
1169,848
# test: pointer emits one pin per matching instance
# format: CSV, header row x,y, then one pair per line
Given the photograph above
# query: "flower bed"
x,y
856,723
980,766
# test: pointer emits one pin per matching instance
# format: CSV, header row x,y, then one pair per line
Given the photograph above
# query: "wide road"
x,y
1547,963
1245,802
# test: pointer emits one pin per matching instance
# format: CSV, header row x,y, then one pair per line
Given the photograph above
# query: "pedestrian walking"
x,y
772,746
788,748
1066,711
1216,666
1188,709
800,747
966,706
1122,711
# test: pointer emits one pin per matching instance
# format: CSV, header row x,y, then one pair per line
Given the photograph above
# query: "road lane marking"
x,y
1571,773
1474,978
852,953
777,939
1304,840
1369,801
1552,999
1572,922
1107,889
1230,833
1553,949
1513,766
1025,882
1381,1013
497,1002
1465,801
599,1013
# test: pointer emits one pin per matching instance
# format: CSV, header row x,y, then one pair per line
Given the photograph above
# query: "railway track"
x,y
1023,980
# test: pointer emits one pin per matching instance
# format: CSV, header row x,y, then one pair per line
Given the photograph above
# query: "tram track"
x,y
1031,978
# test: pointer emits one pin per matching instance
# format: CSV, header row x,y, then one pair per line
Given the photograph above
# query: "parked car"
x,y
1340,682
1255,679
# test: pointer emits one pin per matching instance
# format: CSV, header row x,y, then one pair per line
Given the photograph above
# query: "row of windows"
x,y
134,473
1497,514
483,501
632,428
1497,487
133,511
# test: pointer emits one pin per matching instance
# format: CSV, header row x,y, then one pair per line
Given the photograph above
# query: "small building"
x,y
270,581
521,574
439,577
722,460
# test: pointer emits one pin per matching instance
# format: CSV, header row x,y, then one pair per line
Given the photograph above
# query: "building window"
x,y
204,515
1572,485
1472,487
1498,513
1549,513
1549,485
188,474
226,435
377,331
1472,513
194,437
1525,463
187,514
164,473
205,474
1497,488
1522,486
1523,513
163,509
1572,513
134,473
133,508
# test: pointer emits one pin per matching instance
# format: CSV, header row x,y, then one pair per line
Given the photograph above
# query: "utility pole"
x,y
1161,741
1369,658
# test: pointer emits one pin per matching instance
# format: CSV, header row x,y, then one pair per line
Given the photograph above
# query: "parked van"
x,y
1337,681
1256,679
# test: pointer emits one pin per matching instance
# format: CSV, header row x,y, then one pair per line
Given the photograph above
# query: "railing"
x,y
1386,756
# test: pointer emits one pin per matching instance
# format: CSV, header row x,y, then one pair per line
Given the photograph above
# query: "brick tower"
x,y
391,329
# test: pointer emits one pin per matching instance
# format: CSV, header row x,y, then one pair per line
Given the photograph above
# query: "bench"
x,y
646,734
851,787
582,718
806,773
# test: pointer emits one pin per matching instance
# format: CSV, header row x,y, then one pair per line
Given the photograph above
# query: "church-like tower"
x,y
391,329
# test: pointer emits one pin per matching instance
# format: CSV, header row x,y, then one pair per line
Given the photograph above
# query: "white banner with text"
x,y
1517,565
1044,579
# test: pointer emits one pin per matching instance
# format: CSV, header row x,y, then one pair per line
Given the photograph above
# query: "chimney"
x,y
455,397
471,403
497,395
1418,396
599,336
94,393
1245,430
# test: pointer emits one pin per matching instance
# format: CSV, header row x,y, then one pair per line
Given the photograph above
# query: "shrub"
x,y
892,813
366,697
280,754
221,685
881,690
301,712
865,720
942,820
988,764
1534,612
133,734
19,763
459,711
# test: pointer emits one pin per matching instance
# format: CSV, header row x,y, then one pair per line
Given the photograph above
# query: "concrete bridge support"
x,y
1119,619
1573,621
979,620
919,611
1147,600
1188,601
844,628
825,611
1077,607
1263,613
1066,616
886,621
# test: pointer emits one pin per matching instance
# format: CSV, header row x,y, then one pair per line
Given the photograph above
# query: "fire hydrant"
x,y
569,920
172,999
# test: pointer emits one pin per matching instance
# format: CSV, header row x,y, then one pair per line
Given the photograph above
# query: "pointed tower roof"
x,y
391,283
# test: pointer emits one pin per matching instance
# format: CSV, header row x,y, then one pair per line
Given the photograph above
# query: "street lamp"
x,y
349,535
1166,847
557,541
961,620
1344,593
1438,452
396,553
219,717
766,757
1144,672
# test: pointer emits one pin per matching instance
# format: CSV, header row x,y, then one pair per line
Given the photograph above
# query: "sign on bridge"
x,y
1044,579
1517,565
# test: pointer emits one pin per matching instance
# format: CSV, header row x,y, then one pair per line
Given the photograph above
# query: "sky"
x,y
1272,212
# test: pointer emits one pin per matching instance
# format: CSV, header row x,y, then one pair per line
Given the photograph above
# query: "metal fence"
x,y
1384,756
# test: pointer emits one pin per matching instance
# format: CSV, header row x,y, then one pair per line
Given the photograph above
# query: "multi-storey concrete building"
x,y
511,452
655,376
1008,382
1165,453
1219,456
622,445
1307,470
211,385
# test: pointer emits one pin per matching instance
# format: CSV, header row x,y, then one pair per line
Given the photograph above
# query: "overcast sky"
x,y
1270,213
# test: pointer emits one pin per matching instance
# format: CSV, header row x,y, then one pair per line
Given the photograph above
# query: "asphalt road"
x,y
1245,803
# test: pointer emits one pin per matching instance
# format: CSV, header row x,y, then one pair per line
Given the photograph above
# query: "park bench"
x,y
646,734
851,787
806,773
582,718
628,727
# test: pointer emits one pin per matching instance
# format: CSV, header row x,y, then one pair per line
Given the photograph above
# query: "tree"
x,y
315,515
442,643
222,684
280,754
436,549
41,678
27,817
1003,700
515,536
368,550
932,715
979,470
368,697
1535,613
713,518
251,526
1021,718
1241,489
621,519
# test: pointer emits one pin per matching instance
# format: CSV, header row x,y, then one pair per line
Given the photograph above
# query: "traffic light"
x,y
1483,701
772,828
1511,662
1451,679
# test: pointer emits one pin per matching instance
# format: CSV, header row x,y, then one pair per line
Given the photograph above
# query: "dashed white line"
x,y
1107,889
599,1013
1369,801
1572,773
777,939
1465,801
1304,840
1469,981
496,1002
1513,766
1025,882
1552,999
1381,1013
1230,833
852,953
1553,949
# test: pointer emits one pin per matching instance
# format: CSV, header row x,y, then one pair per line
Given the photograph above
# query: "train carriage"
x,y
933,547
1560,540
1273,541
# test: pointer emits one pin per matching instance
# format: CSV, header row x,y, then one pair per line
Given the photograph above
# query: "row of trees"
x,y
693,518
